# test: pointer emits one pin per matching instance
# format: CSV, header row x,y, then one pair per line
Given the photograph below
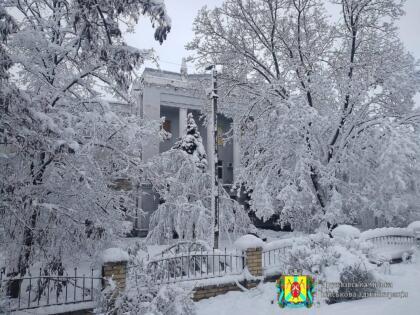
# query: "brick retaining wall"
x,y
215,290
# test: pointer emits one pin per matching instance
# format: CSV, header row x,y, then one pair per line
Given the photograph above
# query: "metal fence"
x,y
196,265
31,292
273,257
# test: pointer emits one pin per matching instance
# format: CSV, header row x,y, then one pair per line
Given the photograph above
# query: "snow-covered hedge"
x,y
414,226
346,231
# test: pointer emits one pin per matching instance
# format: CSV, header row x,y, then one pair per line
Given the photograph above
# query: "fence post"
x,y
114,265
254,261
253,248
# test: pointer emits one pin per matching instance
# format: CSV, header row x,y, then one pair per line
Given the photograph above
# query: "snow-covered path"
x,y
404,277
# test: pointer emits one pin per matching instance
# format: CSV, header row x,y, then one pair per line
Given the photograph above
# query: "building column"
x,y
150,111
236,153
182,121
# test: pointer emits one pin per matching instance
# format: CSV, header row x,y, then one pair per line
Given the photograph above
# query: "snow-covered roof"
x,y
175,79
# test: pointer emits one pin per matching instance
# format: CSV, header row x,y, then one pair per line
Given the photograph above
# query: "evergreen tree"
x,y
192,143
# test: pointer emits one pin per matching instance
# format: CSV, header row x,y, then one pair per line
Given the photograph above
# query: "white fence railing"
x,y
393,240
390,247
387,244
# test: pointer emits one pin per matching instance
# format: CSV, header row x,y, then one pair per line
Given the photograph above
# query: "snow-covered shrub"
x,y
345,231
166,300
311,254
324,257
142,297
355,283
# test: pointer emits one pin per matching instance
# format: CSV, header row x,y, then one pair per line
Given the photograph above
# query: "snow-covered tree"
x,y
62,145
180,178
323,105
192,143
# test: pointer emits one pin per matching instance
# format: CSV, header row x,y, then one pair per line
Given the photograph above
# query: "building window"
x,y
220,169
167,125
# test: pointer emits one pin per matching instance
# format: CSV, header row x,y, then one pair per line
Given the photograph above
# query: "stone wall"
x,y
206,292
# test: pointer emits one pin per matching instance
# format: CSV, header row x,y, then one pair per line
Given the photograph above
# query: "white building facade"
x,y
173,95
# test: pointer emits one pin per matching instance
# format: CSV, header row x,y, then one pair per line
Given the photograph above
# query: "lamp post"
x,y
213,150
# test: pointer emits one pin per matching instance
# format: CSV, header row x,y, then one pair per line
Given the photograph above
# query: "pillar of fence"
x,y
114,266
253,248
254,261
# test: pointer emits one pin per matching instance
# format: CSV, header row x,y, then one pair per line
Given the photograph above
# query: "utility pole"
x,y
213,149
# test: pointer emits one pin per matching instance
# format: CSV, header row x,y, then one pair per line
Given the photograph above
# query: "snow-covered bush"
x,y
311,254
345,231
142,297
414,226
351,278
332,260
166,300
327,257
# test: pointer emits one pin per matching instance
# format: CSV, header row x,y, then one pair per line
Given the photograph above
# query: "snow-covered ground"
x,y
404,277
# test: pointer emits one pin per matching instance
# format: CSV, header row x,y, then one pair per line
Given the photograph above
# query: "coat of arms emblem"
x,y
295,291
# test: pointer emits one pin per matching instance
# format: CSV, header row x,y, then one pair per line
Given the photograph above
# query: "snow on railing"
x,y
386,232
196,265
32,292
392,240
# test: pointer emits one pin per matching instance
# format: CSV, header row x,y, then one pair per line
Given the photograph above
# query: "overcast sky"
x,y
183,12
